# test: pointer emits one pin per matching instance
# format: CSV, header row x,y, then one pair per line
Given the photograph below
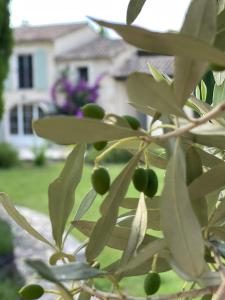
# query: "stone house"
x,y
40,53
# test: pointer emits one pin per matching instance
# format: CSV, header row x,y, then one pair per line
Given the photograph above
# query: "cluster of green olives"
x,y
152,283
95,111
31,292
146,181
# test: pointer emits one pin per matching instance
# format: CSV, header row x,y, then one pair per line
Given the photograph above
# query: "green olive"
x,y
132,121
100,145
94,111
140,179
152,283
32,291
100,180
152,183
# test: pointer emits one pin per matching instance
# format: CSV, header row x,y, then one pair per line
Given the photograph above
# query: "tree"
x,y
188,215
6,44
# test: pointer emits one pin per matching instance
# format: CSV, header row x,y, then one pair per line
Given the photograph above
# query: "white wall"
x,y
74,39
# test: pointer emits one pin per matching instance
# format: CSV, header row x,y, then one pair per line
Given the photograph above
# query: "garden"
x,y
150,220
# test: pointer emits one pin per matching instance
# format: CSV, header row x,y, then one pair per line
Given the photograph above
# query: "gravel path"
x,y
28,247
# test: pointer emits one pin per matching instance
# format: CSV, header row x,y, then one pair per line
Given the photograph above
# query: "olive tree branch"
x,y
220,294
219,109
106,296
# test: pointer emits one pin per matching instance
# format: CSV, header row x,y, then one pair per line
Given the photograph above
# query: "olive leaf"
x,y
144,255
137,233
118,238
71,130
109,210
218,216
199,23
182,232
61,192
76,271
85,204
143,89
176,44
45,272
20,220
207,182
218,94
133,10
221,21
194,170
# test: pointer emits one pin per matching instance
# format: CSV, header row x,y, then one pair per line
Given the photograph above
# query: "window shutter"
x,y
40,70
8,83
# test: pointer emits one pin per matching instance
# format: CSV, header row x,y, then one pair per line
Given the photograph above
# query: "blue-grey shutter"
x,y
40,70
8,83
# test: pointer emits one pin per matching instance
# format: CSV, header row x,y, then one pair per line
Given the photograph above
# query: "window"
x,y
25,71
27,119
21,116
83,73
13,116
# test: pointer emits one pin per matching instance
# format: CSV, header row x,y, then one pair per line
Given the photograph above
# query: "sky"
x,y
158,15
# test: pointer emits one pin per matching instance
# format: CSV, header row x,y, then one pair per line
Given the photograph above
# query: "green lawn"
x,y
28,185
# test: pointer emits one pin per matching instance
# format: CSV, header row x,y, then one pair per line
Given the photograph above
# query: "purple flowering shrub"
x,y
69,97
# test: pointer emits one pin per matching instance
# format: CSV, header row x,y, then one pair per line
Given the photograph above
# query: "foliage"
x,y
179,229
69,97
6,44
8,156
6,239
39,157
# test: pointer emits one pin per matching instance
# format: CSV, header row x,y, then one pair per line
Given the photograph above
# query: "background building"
x,y
41,53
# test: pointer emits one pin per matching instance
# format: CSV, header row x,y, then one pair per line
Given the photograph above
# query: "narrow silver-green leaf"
x,y
221,21
182,232
71,130
85,204
199,23
176,44
208,182
76,271
153,219
61,192
203,90
20,220
118,238
194,170
109,210
45,272
146,253
132,203
218,94
218,217
133,10
138,229
143,89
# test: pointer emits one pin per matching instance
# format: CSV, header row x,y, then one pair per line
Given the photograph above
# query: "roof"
x,y
45,32
101,47
139,63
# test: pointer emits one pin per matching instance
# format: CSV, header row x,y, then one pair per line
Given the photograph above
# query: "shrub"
x,y
6,239
8,156
39,157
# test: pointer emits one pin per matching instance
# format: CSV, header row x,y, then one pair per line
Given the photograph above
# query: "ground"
x,y
27,186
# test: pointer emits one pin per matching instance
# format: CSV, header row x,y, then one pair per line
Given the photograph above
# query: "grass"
x,y
27,186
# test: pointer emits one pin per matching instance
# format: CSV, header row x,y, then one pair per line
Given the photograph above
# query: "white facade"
x,y
25,104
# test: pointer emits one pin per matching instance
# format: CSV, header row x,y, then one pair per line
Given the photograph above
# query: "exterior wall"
x,y
74,39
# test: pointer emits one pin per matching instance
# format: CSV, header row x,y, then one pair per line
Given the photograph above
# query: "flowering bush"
x,y
69,97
